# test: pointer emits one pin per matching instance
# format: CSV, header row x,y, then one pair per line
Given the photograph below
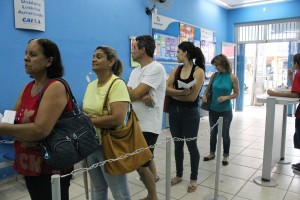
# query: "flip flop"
x,y
192,187
175,180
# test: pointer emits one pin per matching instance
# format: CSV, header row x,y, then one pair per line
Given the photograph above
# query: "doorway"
x,y
266,68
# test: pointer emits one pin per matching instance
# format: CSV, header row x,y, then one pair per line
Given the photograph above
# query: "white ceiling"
x,y
231,4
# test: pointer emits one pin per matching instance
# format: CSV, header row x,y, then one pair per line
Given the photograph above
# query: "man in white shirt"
x,y
147,86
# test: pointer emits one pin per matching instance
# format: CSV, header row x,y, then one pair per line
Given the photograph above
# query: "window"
x,y
268,31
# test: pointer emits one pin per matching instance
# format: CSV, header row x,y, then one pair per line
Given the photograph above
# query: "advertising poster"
x,y
133,63
169,33
187,33
30,14
166,47
208,44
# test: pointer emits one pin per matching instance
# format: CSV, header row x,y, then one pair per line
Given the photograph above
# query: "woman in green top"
x,y
224,82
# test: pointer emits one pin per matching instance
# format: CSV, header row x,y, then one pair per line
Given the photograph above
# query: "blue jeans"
x,y
213,118
184,123
101,180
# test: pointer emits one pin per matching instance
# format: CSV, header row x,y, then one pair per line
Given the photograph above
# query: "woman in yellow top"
x,y
107,66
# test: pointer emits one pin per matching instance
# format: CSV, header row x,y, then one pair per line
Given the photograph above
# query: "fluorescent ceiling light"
x,y
241,4
259,3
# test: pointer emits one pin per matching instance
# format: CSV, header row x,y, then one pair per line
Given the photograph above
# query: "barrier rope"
x,y
161,141
7,141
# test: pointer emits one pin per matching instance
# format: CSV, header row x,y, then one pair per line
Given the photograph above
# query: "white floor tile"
x,y
254,191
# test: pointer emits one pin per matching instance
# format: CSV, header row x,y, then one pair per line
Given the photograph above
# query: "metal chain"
x,y
161,141
7,141
95,165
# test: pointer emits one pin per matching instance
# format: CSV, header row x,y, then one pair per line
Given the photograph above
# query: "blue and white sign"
x,y
30,14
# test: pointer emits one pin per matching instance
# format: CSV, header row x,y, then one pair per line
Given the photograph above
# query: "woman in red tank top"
x,y
36,118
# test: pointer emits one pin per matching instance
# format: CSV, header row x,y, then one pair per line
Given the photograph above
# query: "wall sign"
x,y
30,14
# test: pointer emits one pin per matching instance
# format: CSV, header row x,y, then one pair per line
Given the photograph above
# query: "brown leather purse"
x,y
126,149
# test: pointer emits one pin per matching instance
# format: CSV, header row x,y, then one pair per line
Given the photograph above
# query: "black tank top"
x,y
189,79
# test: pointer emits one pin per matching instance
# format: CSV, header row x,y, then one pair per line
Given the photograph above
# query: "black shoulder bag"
x,y
72,139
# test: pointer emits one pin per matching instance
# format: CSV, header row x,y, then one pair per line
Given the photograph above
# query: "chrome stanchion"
x,y
168,168
216,196
85,180
55,187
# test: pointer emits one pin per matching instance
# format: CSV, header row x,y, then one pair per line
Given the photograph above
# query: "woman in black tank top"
x,y
183,86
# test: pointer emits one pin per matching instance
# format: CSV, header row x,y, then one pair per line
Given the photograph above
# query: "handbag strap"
x,y
212,80
76,110
105,105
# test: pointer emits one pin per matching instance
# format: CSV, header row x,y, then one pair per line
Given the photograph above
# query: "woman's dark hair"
x,y
117,68
193,52
296,59
148,42
223,61
50,49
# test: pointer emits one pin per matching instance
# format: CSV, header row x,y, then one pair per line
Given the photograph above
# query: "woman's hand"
x,y
185,92
221,99
270,92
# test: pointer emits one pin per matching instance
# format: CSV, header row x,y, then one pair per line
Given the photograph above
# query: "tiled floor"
x,y
236,179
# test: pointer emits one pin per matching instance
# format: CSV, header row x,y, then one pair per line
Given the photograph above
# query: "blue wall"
x,y
79,26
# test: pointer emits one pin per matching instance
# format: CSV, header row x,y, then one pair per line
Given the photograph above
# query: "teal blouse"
x,y
222,86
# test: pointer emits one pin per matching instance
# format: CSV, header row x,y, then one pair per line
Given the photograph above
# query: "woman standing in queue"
x,y
107,66
35,118
224,82
184,116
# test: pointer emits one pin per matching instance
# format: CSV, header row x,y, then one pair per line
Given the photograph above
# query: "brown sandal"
x,y
192,187
176,180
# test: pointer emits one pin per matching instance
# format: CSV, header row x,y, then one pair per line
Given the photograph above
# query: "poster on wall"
x,y
132,63
169,33
161,22
208,44
166,47
30,14
187,33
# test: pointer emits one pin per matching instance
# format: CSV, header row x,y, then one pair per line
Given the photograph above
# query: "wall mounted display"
x,y
187,33
30,14
166,47
169,33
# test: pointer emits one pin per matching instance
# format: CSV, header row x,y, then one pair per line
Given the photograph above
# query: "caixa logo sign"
x,y
31,20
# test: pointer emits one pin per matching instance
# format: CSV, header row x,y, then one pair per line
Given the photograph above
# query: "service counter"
x,y
275,135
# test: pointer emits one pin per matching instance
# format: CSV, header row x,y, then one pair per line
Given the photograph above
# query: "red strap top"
x,y
28,161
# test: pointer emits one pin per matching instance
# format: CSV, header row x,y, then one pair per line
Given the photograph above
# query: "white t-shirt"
x,y
154,75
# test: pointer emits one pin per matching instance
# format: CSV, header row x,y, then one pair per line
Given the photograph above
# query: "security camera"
x,y
162,1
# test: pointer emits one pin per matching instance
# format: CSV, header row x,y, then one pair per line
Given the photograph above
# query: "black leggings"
x,y
39,187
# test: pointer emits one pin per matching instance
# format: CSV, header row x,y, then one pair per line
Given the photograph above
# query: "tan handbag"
x,y
120,143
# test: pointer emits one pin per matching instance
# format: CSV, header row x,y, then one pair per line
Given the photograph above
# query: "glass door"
x,y
266,68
